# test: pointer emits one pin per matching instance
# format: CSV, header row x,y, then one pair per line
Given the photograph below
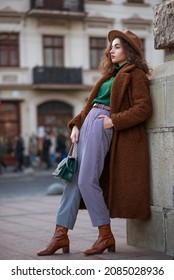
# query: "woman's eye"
x,y
115,48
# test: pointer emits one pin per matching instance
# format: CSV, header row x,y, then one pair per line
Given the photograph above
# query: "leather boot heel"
x,y
59,240
104,242
111,249
65,250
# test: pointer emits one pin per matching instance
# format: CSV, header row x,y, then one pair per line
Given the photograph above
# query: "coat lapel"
x,y
119,86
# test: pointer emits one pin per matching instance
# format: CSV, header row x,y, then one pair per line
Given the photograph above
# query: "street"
x,y
13,185
27,221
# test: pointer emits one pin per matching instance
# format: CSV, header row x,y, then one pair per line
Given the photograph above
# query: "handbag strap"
x,y
73,150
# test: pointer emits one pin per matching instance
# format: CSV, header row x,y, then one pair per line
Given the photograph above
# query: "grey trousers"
x,y
93,145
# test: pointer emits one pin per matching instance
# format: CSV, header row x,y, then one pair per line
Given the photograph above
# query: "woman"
x,y
113,175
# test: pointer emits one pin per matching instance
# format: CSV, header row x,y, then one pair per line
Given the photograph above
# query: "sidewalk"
x,y
27,224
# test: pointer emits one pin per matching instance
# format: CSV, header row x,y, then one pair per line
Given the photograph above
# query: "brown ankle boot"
x,y
59,240
105,241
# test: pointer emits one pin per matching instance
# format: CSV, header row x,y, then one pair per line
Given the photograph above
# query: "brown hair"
x,y
106,65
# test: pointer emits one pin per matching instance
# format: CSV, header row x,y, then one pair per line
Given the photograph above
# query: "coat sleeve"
x,y
75,121
79,119
141,105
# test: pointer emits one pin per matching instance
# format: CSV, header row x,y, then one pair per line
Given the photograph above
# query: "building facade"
x,y
49,56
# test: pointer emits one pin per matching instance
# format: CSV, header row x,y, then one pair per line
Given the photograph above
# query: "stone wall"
x,y
163,24
157,233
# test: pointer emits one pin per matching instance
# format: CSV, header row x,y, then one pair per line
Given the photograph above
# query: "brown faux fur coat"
x,y
125,178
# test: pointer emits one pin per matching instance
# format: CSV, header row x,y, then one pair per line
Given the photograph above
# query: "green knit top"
x,y
103,96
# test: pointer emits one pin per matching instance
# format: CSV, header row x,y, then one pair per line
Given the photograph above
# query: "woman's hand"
x,y
74,134
107,122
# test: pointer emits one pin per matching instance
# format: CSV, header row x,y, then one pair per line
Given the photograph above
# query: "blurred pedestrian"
x,y
52,151
2,153
61,149
33,149
46,149
19,153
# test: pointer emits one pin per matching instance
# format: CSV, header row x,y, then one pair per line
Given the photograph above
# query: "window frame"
x,y
8,47
98,51
53,47
12,122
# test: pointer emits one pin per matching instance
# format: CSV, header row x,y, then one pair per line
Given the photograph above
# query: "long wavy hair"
x,y
106,65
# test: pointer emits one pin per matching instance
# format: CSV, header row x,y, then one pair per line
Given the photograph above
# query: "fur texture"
x,y
125,178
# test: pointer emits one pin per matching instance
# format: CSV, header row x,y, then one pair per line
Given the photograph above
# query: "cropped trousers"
x,y
93,145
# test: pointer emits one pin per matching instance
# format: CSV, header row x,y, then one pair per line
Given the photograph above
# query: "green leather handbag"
x,y
68,166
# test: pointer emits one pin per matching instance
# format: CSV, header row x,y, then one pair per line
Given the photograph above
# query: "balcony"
x,y
61,5
57,77
54,8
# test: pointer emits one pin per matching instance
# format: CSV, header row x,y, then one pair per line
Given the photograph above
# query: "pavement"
x,y
27,225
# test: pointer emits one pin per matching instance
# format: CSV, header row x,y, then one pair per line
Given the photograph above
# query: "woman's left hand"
x,y
107,122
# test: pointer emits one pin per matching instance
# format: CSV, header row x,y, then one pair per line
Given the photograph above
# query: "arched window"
x,y
54,115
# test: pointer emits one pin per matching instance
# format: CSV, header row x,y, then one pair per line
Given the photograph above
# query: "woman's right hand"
x,y
74,134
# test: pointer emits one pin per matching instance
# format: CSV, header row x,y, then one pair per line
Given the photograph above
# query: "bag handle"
x,y
73,150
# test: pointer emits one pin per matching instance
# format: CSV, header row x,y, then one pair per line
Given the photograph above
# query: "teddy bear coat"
x,y
125,178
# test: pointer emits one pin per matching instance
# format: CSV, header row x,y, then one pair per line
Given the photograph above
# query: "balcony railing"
x,y
59,5
136,1
56,75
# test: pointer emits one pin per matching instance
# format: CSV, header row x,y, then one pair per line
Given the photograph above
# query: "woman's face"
x,y
117,52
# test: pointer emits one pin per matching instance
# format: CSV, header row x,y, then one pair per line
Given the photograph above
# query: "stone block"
x,y
170,232
169,98
56,189
158,101
161,86
163,24
162,167
163,70
163,100
147,234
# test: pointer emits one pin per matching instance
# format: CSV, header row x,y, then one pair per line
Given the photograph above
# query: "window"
x,y
39,3
9,124
53,51
54,115
9,49
97,46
